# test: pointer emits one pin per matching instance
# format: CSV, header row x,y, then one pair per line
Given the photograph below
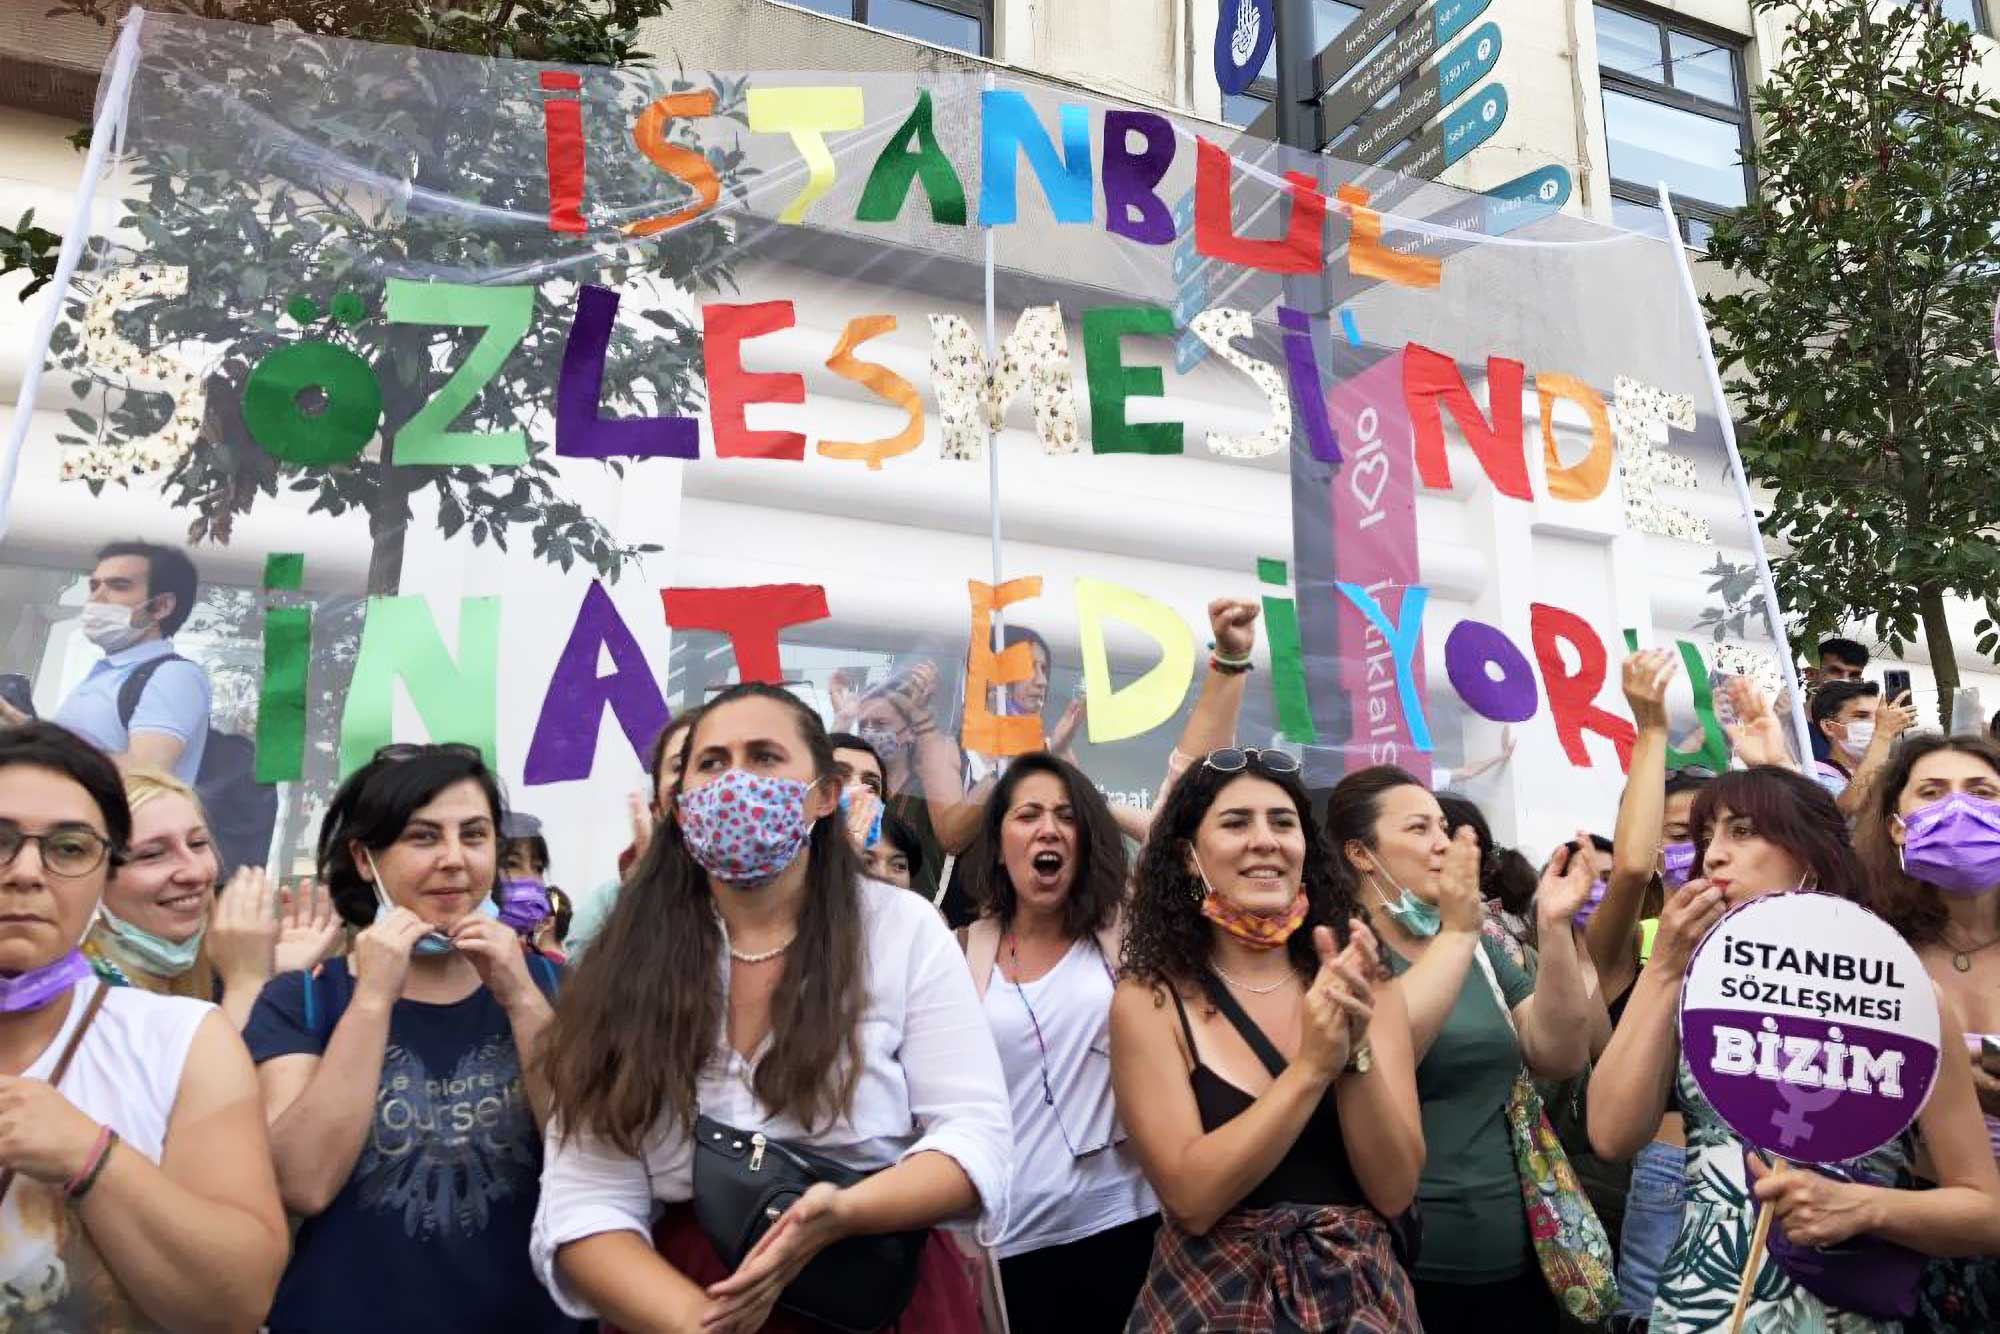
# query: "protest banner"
x,y
575,392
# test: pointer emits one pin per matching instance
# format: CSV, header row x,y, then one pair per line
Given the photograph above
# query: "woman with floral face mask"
x,y
135,1182
1770,831
1420,891
1262,1066
1930,838
163,928
400,1082
752,986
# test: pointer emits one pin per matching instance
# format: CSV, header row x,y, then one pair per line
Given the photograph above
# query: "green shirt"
x,y
1475,1229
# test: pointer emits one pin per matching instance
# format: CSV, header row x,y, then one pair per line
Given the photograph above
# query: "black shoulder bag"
x,y
744,1182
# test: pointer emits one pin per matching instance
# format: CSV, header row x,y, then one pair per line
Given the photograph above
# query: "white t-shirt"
x,y
1058,1197
126,1074
929,1082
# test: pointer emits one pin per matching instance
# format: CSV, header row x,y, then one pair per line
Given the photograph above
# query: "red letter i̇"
x,y
562,131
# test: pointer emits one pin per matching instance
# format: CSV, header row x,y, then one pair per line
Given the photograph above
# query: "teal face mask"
x,y
156,954
434,942
1411,913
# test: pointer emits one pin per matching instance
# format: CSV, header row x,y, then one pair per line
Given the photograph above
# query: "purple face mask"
x,y
1954,844
1591,903
38,986
1676,864
524,904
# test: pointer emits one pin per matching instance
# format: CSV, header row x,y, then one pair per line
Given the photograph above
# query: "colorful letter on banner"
x,y
1112,382
581,432
983,730
1714,752
1401,640
108,350
1431,378
565,741
1302,249
1008,127
1219,329
504,313
731,389
889,183
972,395
1469,651
1374,502
1586,478
751,617
1155,697
1640,418
1132,205
457,701
1288,661
1367,257
562,143
1308,389
1573,695
281,694
806,114
882,382
687,165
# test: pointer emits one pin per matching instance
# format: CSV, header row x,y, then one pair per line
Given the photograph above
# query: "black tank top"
x,y
1314,1169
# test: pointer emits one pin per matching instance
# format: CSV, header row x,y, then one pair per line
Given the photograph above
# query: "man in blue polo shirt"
x,y
139,595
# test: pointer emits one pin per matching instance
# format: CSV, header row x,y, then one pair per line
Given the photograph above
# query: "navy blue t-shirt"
x,y
430,1232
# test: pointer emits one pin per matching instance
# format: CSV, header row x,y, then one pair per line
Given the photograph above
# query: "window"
x,y
1673,111
1330,17
1972,13
966,25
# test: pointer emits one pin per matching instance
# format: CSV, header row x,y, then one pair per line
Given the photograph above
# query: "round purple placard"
x,y
1810,1026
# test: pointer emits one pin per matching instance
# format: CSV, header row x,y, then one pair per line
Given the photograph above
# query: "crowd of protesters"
x,y
868,1033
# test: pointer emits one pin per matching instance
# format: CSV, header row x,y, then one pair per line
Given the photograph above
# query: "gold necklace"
x,y
1245,986
1962,959
765,957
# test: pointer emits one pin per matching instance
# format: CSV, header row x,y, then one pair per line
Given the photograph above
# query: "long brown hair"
x,y
1099,886
641,1015
1791,811
1912,907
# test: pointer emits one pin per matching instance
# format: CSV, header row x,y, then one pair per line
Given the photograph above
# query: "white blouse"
x,y
930,1082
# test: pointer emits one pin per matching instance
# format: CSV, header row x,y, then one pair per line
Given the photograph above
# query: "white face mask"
x,y
112,626
1859,734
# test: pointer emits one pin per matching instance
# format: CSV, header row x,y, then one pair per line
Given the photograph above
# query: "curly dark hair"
x,y
1168,942
1911,906
1099,883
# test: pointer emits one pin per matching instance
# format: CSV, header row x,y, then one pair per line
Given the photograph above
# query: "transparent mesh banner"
x,y
525,361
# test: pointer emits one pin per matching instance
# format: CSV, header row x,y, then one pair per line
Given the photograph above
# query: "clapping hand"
x,y
310,930
1460,907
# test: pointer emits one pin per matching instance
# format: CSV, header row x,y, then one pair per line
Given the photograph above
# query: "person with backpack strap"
x,y
1047,869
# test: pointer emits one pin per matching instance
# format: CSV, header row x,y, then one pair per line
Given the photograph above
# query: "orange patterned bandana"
x,y
1257,930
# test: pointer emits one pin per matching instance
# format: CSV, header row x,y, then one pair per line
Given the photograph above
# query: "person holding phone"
x,y
1860,731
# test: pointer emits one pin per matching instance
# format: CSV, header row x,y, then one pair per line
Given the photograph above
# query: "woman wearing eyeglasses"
x,y
135,1180
1047,868
405,1110
163,927
1262,1068
1420,891
785,1054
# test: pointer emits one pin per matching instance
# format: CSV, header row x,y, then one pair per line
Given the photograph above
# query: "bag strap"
x,y
1246,1027
982,951
1493,981
133,688
62,1061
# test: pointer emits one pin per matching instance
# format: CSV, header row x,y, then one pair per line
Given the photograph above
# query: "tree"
x,y
203,197
1862,343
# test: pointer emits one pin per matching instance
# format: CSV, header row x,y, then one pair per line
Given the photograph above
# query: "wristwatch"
x,y
1359,1061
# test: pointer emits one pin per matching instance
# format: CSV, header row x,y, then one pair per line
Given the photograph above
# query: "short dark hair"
x,y
1846,650
1680,780
1791,811
538,849
374,806
656,758
168,570
849,741
1099,886
1011,635
1828,699
903,838
40,745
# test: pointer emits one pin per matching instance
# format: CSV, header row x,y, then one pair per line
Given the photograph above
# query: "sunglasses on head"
x,y
410,750
1234,760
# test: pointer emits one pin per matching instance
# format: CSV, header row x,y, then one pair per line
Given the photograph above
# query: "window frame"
x,y
980,10
1686,207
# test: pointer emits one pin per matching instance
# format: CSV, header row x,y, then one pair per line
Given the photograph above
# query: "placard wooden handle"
x,y
1755,1259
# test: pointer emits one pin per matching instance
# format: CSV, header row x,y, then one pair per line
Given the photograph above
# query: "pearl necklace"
x,y
765,957
1245,986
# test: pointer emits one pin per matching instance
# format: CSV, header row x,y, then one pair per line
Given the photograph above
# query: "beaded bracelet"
x,y
80,1184
1227,667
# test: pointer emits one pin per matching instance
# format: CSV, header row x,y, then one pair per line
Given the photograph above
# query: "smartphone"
x,y
17,691
1895,684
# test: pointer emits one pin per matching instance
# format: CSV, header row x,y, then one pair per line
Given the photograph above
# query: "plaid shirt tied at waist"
x,y
1276,1271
